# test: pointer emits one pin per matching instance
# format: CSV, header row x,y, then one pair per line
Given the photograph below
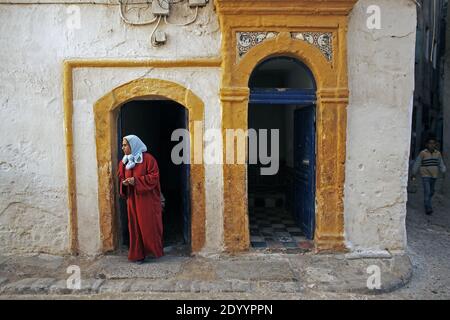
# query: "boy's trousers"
x,y
428,189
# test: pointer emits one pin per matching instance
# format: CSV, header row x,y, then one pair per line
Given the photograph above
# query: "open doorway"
x,y
282,206
154,121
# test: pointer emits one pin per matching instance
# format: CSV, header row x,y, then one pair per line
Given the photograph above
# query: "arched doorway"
x,y
106,112
281,201
154,121
284,37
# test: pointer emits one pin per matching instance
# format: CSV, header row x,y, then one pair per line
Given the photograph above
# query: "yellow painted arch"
x,y
331,117
106,111
283,45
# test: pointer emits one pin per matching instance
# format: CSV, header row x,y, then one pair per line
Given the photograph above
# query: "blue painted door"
x,y
123,216
304,167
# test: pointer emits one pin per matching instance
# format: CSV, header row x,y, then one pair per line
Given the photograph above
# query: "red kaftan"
x,y
144,208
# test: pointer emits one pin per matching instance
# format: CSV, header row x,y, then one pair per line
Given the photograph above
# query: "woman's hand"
x,y
128,181
131,181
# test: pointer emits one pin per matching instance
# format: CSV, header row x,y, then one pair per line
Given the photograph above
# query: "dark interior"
x,y
271,209
154,121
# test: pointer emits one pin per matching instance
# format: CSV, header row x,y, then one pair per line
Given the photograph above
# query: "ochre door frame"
x,y
283,19
106,111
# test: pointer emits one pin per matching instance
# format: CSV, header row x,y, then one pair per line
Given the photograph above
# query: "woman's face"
x,y
126,147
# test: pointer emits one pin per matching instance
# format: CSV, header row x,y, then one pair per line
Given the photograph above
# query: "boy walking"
x,y
429,163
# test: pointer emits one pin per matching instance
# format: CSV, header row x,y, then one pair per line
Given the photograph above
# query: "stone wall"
x,y
33,204
33,187
381,75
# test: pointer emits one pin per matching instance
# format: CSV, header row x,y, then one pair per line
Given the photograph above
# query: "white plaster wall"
x,y
204,83
34,41
381,81
33,197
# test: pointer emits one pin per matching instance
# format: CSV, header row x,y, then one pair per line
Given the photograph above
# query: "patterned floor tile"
x,y
290,244
274,228
275,245
285,239
259,244
294,229
282,234
297,234
257,239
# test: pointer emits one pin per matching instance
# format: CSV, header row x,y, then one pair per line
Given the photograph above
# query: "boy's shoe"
x,y
429,212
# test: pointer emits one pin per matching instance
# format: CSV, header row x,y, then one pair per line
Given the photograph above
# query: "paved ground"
x,y
249,276
428,248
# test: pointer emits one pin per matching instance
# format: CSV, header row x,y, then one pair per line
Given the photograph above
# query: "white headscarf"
x,y
137,147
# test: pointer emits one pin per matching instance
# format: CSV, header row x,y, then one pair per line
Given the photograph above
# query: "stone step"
x,y
243,274
34,286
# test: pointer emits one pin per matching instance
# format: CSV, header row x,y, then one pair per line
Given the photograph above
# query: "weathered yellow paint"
x,y
184,96
283,17
123,63
106,113
71,176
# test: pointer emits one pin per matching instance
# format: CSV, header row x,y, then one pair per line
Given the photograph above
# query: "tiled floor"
x,y
275,228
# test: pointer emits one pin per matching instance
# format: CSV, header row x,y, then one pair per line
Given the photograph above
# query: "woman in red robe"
x,y
139,184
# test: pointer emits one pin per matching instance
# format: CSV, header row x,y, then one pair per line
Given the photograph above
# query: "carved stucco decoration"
x,y
247,40
331,108
322,40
